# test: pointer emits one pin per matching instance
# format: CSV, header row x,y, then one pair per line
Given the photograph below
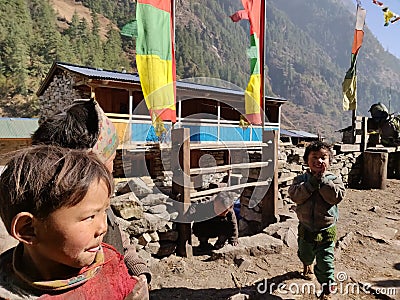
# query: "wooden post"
x,y
375,169
180,165
270,197
364,134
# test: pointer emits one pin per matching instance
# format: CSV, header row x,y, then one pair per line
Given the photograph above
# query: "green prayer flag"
x,y
130,29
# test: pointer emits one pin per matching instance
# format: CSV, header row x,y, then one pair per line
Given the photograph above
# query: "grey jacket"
x,y
317,200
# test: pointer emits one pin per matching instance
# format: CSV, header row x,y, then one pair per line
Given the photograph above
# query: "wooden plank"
x,y
375,169
364,134
180,166
269,202
229,188
225,145
349,147
209,170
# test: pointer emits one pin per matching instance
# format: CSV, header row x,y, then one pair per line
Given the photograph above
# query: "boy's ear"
x,y
22,228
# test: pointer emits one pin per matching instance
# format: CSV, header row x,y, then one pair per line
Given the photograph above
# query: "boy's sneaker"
x,y
324,296
307,272
326,292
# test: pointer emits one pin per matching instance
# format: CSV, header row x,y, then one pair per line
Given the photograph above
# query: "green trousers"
x,y
323,254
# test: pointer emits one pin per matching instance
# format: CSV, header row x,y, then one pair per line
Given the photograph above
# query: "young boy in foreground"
x,y
53,201
84,125
317,193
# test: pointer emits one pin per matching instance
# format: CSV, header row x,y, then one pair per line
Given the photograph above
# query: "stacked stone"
x,y
144,215
347,165
148,214
250,199
58,95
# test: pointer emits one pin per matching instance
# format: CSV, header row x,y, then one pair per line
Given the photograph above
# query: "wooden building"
x,y
15,133
211,112
207,125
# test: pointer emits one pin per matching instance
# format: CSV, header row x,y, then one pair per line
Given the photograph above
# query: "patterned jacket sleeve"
x,y
332,189
302,188
135,264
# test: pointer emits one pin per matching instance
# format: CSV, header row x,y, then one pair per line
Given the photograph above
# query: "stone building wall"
x,y
290,164
59,94
150,220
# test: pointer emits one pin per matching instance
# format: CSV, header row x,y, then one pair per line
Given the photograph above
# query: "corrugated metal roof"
x,y
298,133
285,132
305,134
100,73
17,128
201,87
134,78
94,73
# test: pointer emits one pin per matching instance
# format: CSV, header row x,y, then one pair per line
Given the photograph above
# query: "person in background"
x,y
83,125
215,219
317,193
53,201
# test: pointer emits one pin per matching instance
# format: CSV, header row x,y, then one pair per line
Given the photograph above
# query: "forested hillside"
x,y
308,52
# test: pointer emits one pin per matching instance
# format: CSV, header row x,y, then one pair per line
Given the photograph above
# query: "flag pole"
x,y
174,53
354,111
263,59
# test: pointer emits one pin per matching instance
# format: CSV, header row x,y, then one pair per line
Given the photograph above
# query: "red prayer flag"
x,y
239,15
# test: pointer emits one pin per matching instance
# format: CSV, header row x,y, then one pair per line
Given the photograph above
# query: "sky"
x,y
388,36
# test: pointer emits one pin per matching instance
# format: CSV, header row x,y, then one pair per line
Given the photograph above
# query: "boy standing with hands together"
x,y
317,193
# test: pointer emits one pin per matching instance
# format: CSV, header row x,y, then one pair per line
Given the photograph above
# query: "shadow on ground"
x,y
259,291
202,294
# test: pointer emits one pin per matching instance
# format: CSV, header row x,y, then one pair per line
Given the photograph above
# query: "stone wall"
x,y
59,94
290,164
148,216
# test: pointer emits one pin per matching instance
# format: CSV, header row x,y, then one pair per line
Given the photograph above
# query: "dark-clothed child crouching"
x,y
215,219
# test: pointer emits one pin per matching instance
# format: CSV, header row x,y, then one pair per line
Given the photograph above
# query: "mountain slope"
x,y
308,45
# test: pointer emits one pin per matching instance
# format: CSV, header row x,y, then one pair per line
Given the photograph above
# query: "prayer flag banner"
x,y
388,15
155,59
253,93
349,84
239,15
129,29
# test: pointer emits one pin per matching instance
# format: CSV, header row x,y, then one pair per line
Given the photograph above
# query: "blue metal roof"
x,y
134,78
285,132
17,128
96,73
298,133
202,87
100,73
305,134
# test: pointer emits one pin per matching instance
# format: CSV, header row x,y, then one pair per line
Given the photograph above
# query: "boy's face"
x,y
318,161
71,236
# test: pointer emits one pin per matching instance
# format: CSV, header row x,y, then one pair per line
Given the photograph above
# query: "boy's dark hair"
x,y
42,179
76,127
316,146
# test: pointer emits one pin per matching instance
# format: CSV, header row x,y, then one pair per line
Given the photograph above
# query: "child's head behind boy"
x,y
53,201
82,125
318,156
223,203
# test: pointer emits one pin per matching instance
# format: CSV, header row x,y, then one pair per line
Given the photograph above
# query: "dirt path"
x,y
367,256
